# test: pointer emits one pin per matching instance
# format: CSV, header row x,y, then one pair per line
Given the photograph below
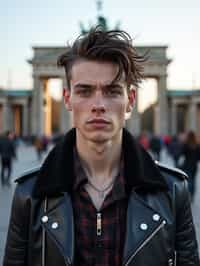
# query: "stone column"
x,y
162,106
34,112
7,119
174,118
37,107
133,124
25,119
47,109
65,116
156,113
192,116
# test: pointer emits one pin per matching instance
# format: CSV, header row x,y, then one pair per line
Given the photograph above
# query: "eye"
x,y
84,92
113,92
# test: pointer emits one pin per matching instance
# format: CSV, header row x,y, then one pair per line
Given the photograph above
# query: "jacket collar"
x,y
57,172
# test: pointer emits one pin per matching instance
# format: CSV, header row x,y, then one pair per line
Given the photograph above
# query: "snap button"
x,y
54,225
170,262
45,219
156,217
143,226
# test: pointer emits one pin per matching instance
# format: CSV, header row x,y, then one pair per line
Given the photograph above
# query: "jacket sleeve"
x,y
185,242
17,237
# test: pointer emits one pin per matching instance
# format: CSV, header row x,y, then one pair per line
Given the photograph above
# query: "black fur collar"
x,y
57,173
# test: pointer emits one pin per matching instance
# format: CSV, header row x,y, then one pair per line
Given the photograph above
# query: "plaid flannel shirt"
x,y
105,249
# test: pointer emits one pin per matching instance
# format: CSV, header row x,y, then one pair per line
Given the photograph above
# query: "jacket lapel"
x,y
143,222
59,225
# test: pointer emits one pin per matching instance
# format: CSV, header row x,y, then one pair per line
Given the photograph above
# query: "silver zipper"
x,y
43,235
175,258
99,224
145,242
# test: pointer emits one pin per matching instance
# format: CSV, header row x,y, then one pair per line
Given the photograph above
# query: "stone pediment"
x,y
48,55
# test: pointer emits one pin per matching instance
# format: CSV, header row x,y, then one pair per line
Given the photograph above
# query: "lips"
x,y
98,121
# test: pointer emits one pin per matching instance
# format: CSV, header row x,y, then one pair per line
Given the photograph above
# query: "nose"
x,y
98,104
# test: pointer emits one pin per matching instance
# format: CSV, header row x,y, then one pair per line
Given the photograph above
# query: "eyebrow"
x,y
90,86
83,85
114,85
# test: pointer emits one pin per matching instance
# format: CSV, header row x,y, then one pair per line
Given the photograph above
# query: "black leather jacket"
x,y
159,230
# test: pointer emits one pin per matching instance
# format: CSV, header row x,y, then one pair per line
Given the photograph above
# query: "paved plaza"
x,y
27,159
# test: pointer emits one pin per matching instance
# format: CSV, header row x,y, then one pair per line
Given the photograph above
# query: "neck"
x,y
94,155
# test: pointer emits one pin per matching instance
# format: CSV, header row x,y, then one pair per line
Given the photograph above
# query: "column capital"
x,y
25,103
6,102
160,76
36,76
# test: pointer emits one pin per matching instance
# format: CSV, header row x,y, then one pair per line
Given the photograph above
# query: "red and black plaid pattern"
x,y
91,249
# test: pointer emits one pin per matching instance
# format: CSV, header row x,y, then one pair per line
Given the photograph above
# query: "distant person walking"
x,y
38,147
45,143
191,153
7,152
175,149
155,147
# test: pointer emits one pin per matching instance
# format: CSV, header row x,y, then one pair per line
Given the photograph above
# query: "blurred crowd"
x,y
9,143
184,149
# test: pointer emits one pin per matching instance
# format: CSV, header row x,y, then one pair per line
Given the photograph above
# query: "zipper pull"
x,y
99,224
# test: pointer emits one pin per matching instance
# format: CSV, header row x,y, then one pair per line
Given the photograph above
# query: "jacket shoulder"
x,y
178,173
27,175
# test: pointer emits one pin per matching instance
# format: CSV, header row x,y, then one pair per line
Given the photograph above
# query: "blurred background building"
x,y
41,111
33,112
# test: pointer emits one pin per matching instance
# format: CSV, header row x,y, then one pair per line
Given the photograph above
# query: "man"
x,y
99,198
7,153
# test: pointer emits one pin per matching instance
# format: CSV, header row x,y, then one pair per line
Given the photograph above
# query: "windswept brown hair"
x,y
113,46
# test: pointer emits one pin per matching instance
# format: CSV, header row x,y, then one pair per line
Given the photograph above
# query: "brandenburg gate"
x,y
44,64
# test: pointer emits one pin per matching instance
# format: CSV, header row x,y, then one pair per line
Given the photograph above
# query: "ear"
x,y
67,99
131,101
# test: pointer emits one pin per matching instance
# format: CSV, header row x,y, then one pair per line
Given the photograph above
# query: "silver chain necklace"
x,y
101,192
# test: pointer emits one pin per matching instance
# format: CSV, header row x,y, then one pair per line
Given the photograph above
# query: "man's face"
x,y
98,105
